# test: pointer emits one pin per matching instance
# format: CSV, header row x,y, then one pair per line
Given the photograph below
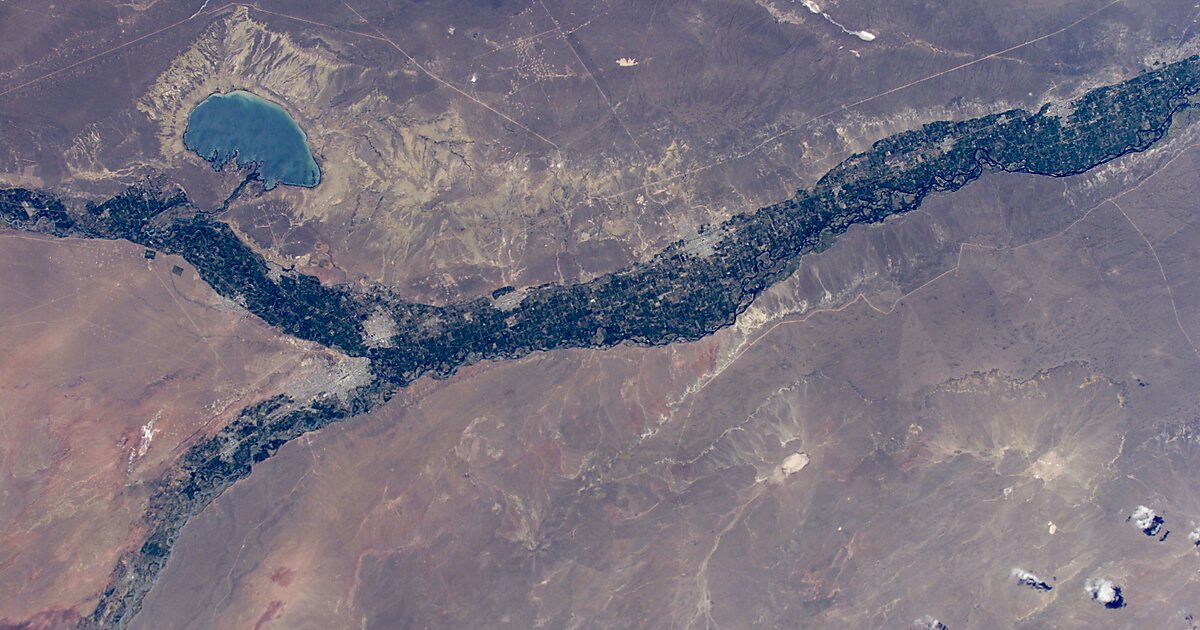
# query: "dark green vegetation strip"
x,y
684,293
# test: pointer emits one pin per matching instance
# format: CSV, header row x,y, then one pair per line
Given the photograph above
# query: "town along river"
x,y
252,132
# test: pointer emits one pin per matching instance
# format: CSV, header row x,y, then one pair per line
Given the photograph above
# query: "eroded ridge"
x,y
687,291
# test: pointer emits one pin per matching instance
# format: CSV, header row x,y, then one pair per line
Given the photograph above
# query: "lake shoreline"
x,y
249,131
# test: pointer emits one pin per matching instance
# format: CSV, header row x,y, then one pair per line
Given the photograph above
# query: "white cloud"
x,y
1026,578
1146,520
1105,591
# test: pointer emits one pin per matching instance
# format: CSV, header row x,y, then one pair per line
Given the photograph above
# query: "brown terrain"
x,y
964,399
112,363
993,382
466,147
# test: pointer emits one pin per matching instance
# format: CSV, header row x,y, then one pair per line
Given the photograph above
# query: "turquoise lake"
x,y
249,130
